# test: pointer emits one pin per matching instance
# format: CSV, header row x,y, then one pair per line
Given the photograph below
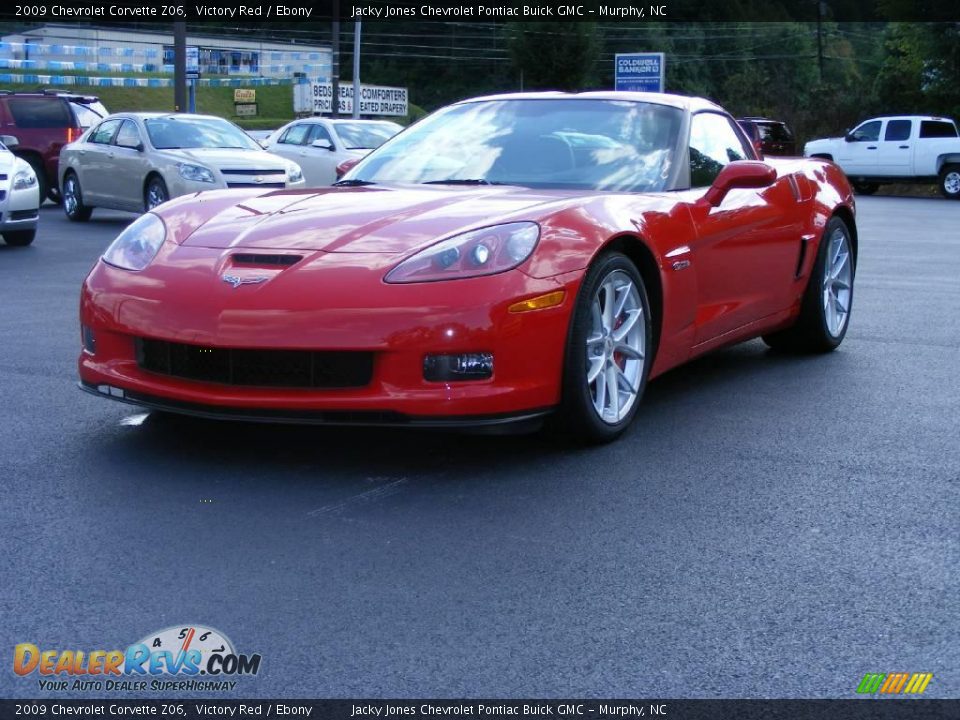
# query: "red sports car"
x,y
506,259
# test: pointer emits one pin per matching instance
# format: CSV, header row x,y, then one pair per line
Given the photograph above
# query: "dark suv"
x,y
769,137
43,122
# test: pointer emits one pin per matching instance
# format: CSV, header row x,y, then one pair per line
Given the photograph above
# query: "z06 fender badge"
x,y
236,281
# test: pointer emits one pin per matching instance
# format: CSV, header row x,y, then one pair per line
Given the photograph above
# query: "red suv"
x,y
769,137
43,122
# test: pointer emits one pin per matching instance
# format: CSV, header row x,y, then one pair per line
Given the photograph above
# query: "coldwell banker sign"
x,y
639,72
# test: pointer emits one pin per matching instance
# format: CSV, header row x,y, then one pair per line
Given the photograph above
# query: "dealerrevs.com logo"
x,y
186,657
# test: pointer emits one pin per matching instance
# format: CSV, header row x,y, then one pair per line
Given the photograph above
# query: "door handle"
x,y
904,147
871,147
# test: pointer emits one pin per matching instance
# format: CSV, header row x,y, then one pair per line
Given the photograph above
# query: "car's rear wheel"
x,y
19,238
73,206
827,302
42,184
608,351
950,181
862,188
155,193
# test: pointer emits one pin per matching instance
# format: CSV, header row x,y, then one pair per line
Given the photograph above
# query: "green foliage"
x,y
554,55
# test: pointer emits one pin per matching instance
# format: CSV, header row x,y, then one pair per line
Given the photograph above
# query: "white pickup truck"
x,y
898,149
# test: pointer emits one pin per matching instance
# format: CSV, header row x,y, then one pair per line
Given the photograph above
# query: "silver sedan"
x,y
136,161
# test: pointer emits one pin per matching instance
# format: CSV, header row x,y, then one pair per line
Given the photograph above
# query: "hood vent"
x,y
264,259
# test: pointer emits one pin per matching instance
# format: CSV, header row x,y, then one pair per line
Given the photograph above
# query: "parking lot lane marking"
x,y
368,496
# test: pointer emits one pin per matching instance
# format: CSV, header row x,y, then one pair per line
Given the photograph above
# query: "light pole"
x,y
179,66
356,69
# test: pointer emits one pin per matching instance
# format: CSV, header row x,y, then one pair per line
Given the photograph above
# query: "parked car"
x,y
136,161
769,137
19,196
260,135
43,122
897,149
320,145
506,259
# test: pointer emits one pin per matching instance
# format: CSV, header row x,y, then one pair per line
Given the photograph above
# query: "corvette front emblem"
x,y
236,281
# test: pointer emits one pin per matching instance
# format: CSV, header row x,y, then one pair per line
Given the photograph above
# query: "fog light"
x,y
88,339
468,366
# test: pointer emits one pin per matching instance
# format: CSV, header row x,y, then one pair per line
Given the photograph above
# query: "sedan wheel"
x,y
73,205
156,194
608,351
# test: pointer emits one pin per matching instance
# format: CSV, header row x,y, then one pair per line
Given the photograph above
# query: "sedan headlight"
x,y
485,251
294,173
24,179
197,173
136,246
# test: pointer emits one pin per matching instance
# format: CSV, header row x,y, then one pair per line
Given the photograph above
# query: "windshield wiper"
x,y
462,181
353,183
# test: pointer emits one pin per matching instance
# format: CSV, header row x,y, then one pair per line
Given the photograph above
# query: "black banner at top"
x,y
261,11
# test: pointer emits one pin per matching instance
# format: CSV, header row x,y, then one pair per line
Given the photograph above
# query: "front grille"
x,y
255,185
228,171
256,368
22,214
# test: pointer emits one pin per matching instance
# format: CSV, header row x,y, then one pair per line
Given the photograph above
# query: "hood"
x,y
7,162
353,220
229,158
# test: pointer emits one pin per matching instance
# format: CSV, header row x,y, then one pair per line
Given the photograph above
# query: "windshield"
x,y
571,143
365,136
178,131
775,132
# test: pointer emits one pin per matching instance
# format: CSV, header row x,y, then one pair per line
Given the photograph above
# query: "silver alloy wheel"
x,y
615,347
837,282
156,195
70,203
951,182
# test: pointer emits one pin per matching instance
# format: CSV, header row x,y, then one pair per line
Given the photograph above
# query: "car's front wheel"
x,y
19,238
827,302
950,181
73,206
608,351
155,193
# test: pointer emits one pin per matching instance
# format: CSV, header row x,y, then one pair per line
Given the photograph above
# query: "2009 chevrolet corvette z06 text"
x,y
506,259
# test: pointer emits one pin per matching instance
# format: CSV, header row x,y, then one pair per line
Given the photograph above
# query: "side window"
x,y
868,132
937,129
897,130
104,132
295,135
39,112
713,144
128,136
319,132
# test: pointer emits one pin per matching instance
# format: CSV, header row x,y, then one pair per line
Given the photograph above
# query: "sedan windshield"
x,y
179,131
564,143
365,136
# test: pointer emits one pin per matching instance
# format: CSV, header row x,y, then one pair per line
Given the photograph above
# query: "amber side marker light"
x,y
540,302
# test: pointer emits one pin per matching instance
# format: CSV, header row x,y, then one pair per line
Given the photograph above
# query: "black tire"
x,y
577,417
861,188
949,181
19,238
42,183
154,193
811,333
73,206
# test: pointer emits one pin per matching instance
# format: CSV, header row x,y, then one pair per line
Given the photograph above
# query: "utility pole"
x,y
356,69
335,70
180,66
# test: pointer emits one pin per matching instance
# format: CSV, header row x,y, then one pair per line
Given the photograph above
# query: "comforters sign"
x,y
374,99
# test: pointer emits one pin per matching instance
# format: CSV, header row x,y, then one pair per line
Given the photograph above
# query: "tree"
x,y
552,55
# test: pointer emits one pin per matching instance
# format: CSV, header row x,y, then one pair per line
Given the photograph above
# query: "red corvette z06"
x,y
506,259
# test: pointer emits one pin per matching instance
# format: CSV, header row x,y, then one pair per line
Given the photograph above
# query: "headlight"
x,y
136,246
197,173
24,179
485,251
294,174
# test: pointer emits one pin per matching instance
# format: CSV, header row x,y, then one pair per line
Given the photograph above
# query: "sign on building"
x,y
244,95
639,72
316,97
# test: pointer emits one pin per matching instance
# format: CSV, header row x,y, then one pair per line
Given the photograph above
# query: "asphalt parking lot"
x,y
770,526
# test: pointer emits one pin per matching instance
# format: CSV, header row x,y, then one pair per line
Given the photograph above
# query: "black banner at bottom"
x,y
872,708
